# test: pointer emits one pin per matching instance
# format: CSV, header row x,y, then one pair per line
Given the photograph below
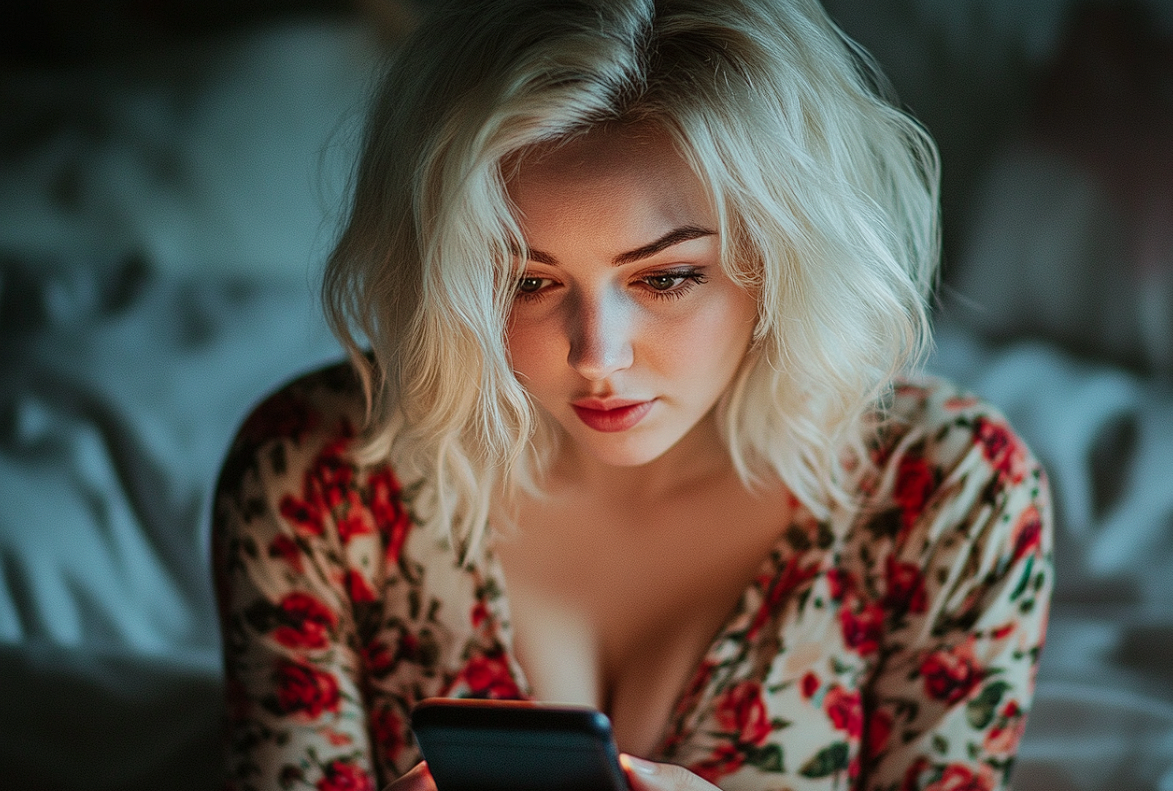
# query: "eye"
x,y
674,283
663,282
531,286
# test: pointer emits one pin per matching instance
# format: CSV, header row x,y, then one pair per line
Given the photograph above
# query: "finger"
x,y
418,778
645,775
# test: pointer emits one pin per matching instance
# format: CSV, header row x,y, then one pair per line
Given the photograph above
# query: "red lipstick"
x,y
610,415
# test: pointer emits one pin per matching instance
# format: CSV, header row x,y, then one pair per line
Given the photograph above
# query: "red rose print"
x,y
1002,740
1001,449
306,622
842,584
906,586
409,645
327,484
331,477
304,515
354,519
286,548
863,631
1028,532
1002,743
845,710
879,730
479,613
951,675
810,684
305,691
377,659
914,486
337,738
488,676
387,731
959,777
725,760
741,711
779,590
1004,631
344,776
357,588
390,517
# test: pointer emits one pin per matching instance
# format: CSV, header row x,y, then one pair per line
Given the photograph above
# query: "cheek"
x,y
531,351
719,337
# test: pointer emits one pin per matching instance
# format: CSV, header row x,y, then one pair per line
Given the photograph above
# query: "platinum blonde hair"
x,y
825,194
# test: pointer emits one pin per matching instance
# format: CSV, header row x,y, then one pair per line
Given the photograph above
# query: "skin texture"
x,y
603,315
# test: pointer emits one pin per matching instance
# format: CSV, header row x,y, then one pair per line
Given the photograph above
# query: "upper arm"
x,y
967,594
288,524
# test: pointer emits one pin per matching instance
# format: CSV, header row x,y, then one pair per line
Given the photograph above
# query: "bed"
x,y
163,221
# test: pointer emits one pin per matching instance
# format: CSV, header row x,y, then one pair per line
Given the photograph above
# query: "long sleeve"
x,y
302,537
965,592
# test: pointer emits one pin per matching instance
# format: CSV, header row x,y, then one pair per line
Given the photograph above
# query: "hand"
x,y
650,776
418,778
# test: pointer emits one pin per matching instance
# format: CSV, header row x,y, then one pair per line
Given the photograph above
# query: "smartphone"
x,y
491,745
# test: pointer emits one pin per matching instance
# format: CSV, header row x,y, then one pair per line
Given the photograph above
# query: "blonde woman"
x,y
632,291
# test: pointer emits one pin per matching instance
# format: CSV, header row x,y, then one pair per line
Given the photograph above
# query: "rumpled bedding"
x,y
160,237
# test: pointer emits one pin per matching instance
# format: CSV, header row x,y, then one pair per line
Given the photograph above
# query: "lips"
x,y
611,415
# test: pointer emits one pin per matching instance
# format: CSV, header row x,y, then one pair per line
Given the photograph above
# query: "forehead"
x,y
633,173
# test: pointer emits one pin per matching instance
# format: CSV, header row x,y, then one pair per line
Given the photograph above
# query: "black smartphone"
x,y
489,745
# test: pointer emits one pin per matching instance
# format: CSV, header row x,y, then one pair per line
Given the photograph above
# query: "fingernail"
x,y
640,765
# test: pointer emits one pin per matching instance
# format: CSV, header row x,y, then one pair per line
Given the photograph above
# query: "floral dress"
x,y
893,649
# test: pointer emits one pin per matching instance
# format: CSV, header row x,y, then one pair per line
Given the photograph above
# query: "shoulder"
x,y
296,481
297,459
934,419
290,426
944,457
325,402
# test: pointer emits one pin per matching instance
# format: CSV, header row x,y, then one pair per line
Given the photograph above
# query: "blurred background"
x,y
170,178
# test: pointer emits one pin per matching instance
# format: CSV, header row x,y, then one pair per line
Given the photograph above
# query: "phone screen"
x,y
516,746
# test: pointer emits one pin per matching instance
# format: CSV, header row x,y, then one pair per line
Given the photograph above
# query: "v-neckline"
x,y
771,567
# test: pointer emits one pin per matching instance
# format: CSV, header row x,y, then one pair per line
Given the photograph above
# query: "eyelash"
x,y
689,279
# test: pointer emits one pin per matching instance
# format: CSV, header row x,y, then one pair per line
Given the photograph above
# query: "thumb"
x,y
643,775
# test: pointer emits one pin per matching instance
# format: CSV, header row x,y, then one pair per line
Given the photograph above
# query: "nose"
x,y
600,329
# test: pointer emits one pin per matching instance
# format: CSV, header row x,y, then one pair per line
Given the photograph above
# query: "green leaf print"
x,y
980,710
826,762
768,758
1022,583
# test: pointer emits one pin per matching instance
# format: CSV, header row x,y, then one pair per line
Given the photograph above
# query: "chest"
x,y
615,608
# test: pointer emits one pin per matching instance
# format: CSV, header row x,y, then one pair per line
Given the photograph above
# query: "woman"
x,y
640,282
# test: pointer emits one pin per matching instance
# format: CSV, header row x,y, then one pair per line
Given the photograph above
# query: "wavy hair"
x,y
825,194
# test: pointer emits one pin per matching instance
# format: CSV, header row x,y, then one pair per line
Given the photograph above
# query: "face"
x,y
624,327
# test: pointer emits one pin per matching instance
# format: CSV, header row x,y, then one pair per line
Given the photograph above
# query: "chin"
x,y
615,451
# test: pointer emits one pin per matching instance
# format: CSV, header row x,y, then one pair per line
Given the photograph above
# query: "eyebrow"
x,y
676,236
